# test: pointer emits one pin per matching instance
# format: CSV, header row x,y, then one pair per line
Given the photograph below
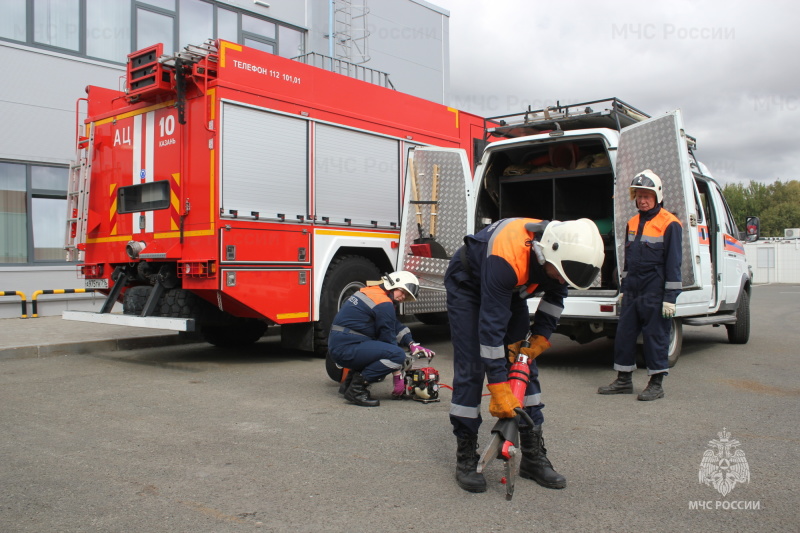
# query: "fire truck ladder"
x,y
80,173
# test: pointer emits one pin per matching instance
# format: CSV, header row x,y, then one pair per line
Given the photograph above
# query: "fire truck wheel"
x,y
239,333
346,275
739,332
134,299
334,372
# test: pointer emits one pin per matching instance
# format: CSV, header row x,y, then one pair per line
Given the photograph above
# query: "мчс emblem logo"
x,y
722,466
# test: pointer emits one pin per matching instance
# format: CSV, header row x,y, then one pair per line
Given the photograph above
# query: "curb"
x,y
85,347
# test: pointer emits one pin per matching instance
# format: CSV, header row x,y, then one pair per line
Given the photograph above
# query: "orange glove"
x,y
538,345
503,400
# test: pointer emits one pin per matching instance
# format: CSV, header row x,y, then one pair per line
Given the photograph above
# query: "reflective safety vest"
x,y
653,252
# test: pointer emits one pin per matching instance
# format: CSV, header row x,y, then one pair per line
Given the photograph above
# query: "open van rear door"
x,y
659,144
437,214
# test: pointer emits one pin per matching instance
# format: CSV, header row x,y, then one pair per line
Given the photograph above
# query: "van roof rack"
x,y
615,115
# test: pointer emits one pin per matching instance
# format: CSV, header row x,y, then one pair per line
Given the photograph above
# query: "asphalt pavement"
x,y
193,438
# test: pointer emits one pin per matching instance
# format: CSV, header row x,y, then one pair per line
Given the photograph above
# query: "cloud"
x,y
729,66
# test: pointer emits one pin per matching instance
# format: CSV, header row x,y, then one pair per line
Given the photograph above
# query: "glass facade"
x,y
33,213
109,30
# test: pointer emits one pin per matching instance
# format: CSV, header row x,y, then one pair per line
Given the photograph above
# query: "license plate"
x,y
96,283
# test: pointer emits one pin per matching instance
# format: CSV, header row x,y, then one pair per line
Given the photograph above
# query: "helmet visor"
x,y
412,289
642,181
579,275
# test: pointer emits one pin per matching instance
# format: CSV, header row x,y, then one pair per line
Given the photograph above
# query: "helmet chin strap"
x,y
538,250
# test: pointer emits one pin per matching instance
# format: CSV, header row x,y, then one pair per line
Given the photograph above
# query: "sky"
x,y
732,68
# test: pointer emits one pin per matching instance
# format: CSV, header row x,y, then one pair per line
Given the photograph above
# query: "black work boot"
x,y
653,391
535,465
358,392
467,458
622,385
345,384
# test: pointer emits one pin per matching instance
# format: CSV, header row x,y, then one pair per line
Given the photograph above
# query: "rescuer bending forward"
x,y
487,282
366,337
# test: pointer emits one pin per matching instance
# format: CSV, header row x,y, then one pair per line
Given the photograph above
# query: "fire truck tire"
x,y
174,303
180,303
134,300
238,334
334,372
739,332
346,275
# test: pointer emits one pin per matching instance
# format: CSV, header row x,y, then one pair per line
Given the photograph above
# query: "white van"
x,y
562,163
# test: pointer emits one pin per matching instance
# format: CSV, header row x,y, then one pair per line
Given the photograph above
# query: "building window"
x,y
196,22
152,27
12,23
109,30
33,204
57,23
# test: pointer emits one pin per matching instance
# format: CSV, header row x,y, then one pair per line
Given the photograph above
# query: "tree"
x,y
777,205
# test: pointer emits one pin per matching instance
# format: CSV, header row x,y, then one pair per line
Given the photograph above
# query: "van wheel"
x,y
739,332
346,275
238,334
673,348
675,342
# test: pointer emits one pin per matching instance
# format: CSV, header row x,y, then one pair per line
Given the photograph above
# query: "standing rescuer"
x,y
651,283
367,338
487,282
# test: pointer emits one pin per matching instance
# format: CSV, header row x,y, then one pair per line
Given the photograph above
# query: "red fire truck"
x,y
228,189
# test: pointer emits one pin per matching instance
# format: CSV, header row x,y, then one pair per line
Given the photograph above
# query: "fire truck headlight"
x,y
134,248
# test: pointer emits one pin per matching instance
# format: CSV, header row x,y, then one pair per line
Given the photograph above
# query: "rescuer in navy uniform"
x,y
651,283
367,338
487,282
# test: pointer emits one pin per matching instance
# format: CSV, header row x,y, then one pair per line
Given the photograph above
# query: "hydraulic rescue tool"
x,y
504,444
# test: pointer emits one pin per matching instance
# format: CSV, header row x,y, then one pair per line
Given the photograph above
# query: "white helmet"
x,y
575,248
402,280
647,179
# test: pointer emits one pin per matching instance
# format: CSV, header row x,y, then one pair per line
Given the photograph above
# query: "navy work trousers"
x,y
641,313
373,359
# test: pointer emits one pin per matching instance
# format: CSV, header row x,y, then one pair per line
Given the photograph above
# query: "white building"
x,y
53,49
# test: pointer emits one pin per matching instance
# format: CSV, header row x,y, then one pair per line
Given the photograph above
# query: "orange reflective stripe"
x,y
376,294
655,227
